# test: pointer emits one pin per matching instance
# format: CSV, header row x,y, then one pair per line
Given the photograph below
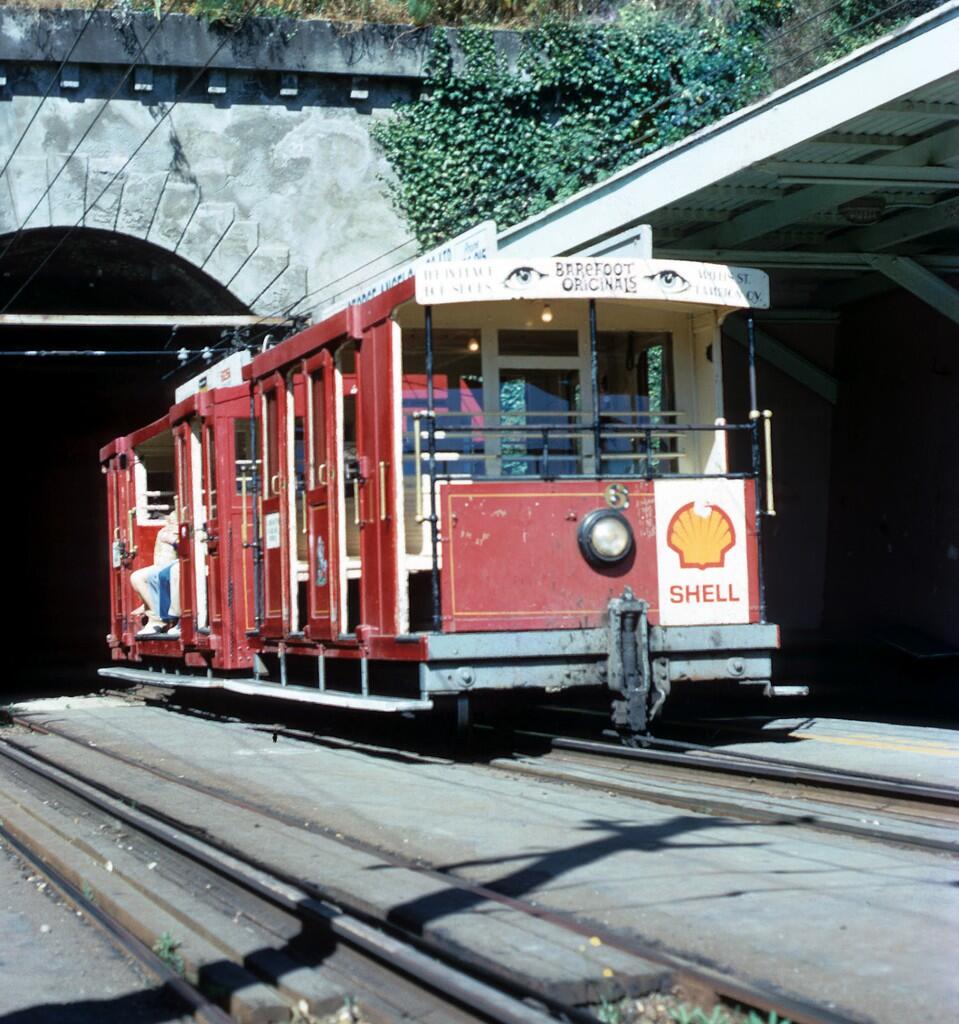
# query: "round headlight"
x,y
605,536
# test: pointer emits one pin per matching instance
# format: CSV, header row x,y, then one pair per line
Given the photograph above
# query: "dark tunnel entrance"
x,y
59,412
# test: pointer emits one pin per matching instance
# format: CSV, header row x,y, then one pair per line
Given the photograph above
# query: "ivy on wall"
x,y
487,140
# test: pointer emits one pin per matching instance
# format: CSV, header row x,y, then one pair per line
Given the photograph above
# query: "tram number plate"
x,y
272,524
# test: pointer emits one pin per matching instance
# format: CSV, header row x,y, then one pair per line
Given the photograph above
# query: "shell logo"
x,y
701,537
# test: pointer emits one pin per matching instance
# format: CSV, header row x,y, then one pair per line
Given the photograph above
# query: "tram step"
x,y
257,688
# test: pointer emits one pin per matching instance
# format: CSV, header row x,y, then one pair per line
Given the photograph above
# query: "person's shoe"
x,y
173,631
151,629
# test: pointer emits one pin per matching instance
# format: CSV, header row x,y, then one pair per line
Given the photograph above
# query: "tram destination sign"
x,y
682,281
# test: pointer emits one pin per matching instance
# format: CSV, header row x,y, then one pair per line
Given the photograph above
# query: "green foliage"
x,y
166,948
581,102
610,1013
493,140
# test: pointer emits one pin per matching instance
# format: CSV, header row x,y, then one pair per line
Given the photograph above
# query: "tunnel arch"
x,y
58,412
91,270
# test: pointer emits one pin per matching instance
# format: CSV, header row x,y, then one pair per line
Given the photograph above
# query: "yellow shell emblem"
x,y
701,541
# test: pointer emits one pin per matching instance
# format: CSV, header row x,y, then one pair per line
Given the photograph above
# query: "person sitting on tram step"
x,y
158,584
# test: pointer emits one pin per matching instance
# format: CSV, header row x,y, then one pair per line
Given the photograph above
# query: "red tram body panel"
x,y
498,474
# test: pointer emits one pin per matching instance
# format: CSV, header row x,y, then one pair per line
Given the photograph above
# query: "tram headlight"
x,y
605,537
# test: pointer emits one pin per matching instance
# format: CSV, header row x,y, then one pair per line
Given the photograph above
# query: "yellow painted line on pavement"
x,y
873,744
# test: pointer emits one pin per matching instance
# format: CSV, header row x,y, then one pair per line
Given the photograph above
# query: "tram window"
x,y
243,456
457,391
272,442
155,482
544,404
299,474
209,481
318,415
539,343
636,389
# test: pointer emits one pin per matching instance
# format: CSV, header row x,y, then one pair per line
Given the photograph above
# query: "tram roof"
x,y
843,184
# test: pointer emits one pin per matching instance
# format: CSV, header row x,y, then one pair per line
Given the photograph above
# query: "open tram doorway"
x,y
59,412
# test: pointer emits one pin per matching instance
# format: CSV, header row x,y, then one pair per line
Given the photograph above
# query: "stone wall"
x,y
263,175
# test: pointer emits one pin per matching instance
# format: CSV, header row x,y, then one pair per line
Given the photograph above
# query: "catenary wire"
x,y
159,121
91,353
53,81
643,113
287,310
834,36
89,128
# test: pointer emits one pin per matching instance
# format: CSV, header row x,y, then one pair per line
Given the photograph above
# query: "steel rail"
x,y
201,1007
767,768
698,975
299,898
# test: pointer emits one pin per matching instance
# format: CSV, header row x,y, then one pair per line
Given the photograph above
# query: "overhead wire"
x,y
650,108
156,126
89,128
288,309
70,353
834,36
53,81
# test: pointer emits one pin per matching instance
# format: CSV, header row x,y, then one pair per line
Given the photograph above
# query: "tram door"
x,y
352,492
121,541
211,526
321,505
274,523
183,446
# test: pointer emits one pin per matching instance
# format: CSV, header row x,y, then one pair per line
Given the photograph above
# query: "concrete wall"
x,y
894,531
273,195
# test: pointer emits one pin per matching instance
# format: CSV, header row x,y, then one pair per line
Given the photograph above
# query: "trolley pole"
x,y
754,418
431,464
594,386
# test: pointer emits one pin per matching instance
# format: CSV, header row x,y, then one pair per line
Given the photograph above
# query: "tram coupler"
x,y
629,675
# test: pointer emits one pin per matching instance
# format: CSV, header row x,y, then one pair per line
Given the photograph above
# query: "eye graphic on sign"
x,y
523,277
700,536
669,281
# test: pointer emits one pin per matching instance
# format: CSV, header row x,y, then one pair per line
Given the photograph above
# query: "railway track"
x,y
495,997
755,787
390,977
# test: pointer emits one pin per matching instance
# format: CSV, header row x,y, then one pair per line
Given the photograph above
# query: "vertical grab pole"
x,y
431,463
255,544
594,388
754,418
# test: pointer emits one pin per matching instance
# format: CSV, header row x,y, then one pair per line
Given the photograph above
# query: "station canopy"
x,y
841,185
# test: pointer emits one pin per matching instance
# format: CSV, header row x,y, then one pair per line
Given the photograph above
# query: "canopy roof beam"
x,y
785,359
806,258
936,149
921,282
902,228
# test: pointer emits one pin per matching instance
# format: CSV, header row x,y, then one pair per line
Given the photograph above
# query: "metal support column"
x,y
594,389
431,463
754,420
255,516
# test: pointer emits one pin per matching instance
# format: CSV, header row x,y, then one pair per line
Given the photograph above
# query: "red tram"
x,y
497,474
